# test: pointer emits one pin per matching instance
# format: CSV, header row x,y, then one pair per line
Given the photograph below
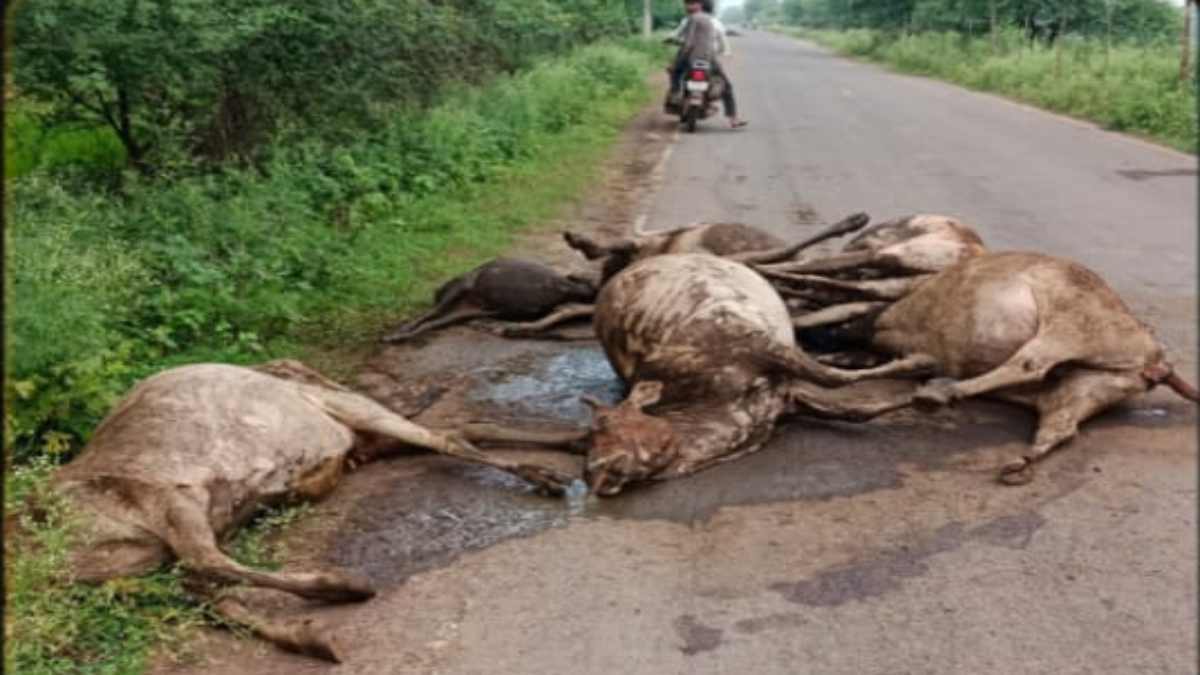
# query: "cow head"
x,y
627,444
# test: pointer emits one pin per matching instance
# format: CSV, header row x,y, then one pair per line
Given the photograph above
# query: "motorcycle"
x,y
699,96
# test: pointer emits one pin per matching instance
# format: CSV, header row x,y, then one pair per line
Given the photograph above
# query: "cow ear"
x,y
645,393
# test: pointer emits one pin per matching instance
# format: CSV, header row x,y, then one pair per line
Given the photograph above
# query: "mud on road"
x,y
880,547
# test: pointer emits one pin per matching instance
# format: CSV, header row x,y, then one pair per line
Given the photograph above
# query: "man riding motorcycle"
x,y
702,39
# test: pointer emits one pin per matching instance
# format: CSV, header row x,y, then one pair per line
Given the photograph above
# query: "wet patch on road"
x,y
697,637
886,572
548,387
806,215
781,620
816,460
432,512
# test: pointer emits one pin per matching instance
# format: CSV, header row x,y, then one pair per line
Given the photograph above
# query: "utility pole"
x,y
1186,48
647,17
995,29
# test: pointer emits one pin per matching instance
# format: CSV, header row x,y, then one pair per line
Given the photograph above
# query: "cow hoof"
x,y
935,394
317,641
339,587
1017,472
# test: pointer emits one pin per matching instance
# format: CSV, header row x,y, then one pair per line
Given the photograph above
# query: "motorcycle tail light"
x,y
699,75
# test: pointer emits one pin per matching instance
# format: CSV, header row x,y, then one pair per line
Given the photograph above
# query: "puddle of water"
x,y
425,521
552,387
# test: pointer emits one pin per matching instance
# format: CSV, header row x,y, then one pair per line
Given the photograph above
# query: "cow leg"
x,y
303,636
844,226
838,314
872,289
457,316
533,328
1030,363
486,432
854,403
795,362
1078,396
835,263
589,248
362,414
855,360
454,293
191,538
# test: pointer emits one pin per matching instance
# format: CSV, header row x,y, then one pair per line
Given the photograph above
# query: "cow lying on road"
x,y
191,453
541,298
514,290
1025,327
709,352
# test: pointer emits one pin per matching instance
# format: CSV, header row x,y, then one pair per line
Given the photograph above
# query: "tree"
x,y
214,79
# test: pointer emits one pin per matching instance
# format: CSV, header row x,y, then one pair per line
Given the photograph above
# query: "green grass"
x,y
318,252
54,626
31,144
1127,87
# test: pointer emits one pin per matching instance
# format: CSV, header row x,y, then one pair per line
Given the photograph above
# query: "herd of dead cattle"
x,y
719,331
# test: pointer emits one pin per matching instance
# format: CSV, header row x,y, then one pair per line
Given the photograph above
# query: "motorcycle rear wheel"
x,y
689,119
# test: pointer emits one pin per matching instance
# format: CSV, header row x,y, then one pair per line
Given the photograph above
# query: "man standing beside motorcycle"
x,y
702,41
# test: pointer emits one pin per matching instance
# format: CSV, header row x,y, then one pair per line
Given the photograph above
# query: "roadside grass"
x,y
1124,87
308,258
55,626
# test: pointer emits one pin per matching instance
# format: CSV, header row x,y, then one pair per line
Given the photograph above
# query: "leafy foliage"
x,y
175,79
1130,19
234,265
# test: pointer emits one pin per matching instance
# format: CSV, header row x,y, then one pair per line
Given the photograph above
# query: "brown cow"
x,y
504,289
708,348
190,453
1030,328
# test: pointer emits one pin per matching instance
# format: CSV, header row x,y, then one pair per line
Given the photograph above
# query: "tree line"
x,y
1044,20
184,80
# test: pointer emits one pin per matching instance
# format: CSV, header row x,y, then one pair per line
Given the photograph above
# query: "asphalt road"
x,y
884,548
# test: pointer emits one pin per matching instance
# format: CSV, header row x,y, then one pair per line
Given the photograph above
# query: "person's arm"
x,y
677,35
723,47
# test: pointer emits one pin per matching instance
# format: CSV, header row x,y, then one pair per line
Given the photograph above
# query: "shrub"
x,y
235,264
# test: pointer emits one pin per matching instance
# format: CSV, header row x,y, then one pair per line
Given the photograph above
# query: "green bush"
x,y
234,265
175,79
29,145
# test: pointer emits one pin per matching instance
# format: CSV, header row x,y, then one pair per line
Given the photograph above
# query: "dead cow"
x,y
738,241
707,347
881,264
916,244
504,289
735,240
192,452
1029,328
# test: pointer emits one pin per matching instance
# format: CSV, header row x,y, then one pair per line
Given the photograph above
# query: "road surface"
x,y
884,548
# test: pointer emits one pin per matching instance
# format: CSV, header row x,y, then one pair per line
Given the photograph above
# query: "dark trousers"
x,y
727,100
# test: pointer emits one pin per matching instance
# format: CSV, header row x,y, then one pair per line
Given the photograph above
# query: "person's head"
x,y
693,6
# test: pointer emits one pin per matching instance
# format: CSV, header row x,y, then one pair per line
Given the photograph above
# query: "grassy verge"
x,y
1124,87
320,248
